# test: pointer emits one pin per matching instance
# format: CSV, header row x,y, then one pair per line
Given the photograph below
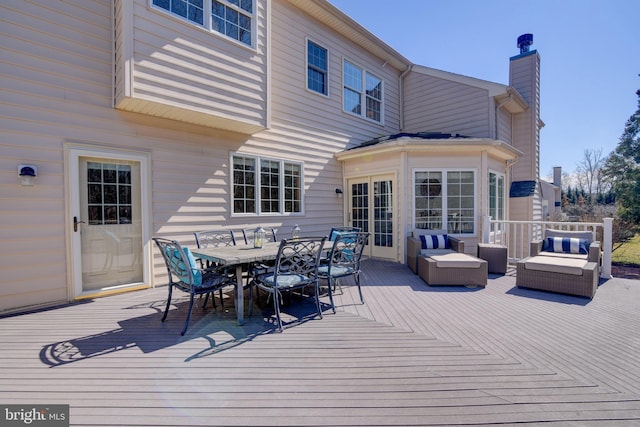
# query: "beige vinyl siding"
x,y
309,127
525,72
60,88
57,81
504,126
293,103
434,104
183,72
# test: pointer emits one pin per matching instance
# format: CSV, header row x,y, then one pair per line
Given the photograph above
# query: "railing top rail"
x,y
547,223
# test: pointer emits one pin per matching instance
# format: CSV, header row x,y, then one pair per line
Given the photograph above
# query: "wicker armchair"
x,y
569,271
444,265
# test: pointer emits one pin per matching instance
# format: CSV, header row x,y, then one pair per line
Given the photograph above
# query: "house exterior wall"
x,y
59,89
166,67
504,132
435,104
122,75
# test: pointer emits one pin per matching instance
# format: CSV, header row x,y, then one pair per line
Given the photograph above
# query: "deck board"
x,y
411,355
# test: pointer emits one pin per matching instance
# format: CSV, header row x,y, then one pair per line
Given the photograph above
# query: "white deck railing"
x,y
517,235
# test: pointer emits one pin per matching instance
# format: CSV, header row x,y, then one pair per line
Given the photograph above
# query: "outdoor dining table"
x,y
241,257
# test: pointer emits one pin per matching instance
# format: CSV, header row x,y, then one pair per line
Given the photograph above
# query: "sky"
x,y
589,58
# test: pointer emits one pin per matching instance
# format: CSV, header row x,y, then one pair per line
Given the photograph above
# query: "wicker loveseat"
x,y
565,262
446,263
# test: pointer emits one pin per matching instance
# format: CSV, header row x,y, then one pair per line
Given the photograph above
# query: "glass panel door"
x,y
371,209
110,223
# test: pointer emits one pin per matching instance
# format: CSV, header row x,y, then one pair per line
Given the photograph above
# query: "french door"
x,y
107,216
371,207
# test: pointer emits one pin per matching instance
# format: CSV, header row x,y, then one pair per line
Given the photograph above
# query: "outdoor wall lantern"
x,y
258,237
339,192
27,174
295,233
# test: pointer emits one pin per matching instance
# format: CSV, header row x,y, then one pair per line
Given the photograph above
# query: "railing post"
x,y
607,247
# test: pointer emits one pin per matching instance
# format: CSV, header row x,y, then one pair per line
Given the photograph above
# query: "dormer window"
x,y
232,18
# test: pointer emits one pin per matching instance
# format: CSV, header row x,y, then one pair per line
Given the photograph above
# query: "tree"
x,y
622,171
589,172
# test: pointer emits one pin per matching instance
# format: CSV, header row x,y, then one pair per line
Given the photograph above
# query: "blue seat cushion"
x,y
180,268
336,271
285,280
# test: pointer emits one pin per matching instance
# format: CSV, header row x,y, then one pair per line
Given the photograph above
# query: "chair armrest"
x,y
414,246
456,244
594,252
535,248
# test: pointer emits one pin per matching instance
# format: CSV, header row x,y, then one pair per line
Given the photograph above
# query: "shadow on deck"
x,y
411,355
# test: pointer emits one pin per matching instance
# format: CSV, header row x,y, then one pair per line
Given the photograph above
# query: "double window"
x,y
445,200
233,18
362,92
266,186
317,68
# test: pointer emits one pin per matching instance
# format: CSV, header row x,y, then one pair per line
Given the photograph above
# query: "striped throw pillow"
x,y
567,245
435,241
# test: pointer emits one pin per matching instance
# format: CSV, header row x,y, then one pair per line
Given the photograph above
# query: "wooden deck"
x,y
412,355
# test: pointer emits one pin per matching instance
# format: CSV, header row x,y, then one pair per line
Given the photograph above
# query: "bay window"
x,y
445,200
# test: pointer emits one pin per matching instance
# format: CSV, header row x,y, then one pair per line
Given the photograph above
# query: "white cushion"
x,y
563,255
456,260
431,252
556,265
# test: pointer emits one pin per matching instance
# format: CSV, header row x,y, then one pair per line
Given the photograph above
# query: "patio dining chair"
x,y
185,275
344,261
296,268
215,239
270,235
262,266
335,231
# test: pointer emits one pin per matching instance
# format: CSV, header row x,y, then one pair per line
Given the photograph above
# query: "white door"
x,y
371,209
107,216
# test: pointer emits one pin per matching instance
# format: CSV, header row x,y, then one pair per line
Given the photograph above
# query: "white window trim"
x,y
504,191
207,26
444,193
257,200
306,70
363,93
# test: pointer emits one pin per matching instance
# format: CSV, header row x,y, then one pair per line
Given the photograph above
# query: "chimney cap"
x,y
524,41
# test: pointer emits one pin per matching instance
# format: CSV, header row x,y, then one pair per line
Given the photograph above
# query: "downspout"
x,y
401,91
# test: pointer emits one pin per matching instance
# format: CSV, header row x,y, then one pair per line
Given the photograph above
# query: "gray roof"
x,y
418,135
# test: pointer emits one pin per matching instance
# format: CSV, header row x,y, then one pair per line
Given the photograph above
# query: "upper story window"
x,y
362,92
266,186
445,200
317,68
233,18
